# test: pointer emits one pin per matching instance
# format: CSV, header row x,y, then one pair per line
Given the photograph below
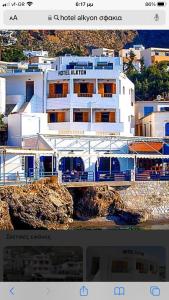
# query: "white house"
x,y
2,96
38,53
136,49
90,94
79,94
103,52
120,264
153,55
152,118
87,96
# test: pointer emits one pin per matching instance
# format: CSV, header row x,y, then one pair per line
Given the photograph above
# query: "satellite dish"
x,y
159,97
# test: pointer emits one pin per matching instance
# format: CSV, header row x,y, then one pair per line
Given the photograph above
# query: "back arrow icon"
x,y
12,291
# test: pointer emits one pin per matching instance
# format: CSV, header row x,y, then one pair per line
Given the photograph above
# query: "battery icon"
x,y
161,3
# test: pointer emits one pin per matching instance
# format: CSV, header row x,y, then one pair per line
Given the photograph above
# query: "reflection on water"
x,y
103,223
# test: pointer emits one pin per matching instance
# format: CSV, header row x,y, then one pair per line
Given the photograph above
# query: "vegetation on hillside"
x,y
150,81
12,54
78,42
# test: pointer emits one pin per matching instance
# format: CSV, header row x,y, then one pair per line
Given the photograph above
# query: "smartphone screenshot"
x,y
84,150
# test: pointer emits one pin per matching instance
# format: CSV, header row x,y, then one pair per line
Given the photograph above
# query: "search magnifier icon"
x,y
56,17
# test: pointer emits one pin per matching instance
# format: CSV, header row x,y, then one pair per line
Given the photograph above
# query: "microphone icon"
x,y
156,17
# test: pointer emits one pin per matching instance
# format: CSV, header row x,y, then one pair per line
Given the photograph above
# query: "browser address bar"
x,y
94,18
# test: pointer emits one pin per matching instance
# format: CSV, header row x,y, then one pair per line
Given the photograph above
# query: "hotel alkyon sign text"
x,y
72,72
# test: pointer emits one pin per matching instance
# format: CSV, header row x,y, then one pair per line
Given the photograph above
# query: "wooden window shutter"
x,y
61,116
77,88
51,89
85,116
101,88
112,117
48,117
114,88
65,88
90,88
98,117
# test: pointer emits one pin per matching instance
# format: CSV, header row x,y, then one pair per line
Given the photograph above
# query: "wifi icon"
x,y
29,3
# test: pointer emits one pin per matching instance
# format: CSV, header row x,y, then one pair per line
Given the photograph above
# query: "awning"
x,y
146,147
151,156
98,155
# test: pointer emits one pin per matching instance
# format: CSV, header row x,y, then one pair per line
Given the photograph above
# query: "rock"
x,y
5,220
92,202
41,205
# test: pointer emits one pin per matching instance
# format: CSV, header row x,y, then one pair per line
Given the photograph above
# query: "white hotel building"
x,y
77,95
74,96
73,114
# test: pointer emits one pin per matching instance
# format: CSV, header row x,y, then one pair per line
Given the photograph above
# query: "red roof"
x,y
146,147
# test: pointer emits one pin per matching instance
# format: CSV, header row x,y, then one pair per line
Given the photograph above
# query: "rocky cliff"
x,y
5,220
91,202
78,41
41,205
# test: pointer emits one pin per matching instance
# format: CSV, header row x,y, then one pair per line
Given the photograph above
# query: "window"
x,y
105,117
123,90
145,131
52,118
164,108
119,266
107,88
141,267
167,129
58,88
78,117
148,110
95,265
83,88
150,129
119,86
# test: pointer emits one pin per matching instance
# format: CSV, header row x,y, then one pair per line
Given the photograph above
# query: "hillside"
x,y
79,41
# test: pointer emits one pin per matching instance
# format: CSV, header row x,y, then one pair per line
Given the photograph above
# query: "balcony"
x,y
88,95
83,101
115,128
107,95
57,95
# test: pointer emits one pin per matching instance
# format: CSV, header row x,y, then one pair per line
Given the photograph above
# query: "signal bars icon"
x,y
29,3
5,4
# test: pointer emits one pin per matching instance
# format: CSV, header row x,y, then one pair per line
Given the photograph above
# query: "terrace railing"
x,y
113,176
85,95
150,175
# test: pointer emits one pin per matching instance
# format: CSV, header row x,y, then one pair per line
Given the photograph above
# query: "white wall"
x,y
16,85
20,125
139,107
146,55
13,164
125,107
158,121
2,95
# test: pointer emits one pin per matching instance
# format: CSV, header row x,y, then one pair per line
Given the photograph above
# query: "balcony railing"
x,y
150,175
107,95
85,95
57,96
